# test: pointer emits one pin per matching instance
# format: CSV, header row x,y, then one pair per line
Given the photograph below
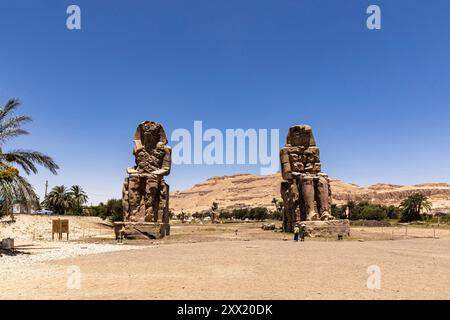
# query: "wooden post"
x,y
434,232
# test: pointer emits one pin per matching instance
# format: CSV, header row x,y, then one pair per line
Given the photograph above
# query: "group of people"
x,y
299,230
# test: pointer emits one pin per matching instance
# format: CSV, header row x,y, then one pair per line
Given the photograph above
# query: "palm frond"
x,y
26,159
11,127
9,133
8,108
16,190
15,122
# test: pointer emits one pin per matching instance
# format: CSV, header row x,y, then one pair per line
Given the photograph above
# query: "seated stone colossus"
x,y
305,190
145,194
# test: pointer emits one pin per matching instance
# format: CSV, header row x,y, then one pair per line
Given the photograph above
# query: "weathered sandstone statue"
x,y
145,194
305,189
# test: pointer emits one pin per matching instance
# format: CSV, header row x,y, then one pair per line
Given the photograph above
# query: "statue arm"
x,y
286,170
166,164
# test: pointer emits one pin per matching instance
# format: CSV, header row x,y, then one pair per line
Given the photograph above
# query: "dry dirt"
x,y
235,261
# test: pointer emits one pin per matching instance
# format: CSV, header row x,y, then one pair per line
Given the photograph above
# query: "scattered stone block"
x,y
8,244
268,226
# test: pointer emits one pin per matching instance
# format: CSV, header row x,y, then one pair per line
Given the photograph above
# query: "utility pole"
x,y
46,186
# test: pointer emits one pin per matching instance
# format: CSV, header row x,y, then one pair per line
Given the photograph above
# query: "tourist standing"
x,y
296,232
302,232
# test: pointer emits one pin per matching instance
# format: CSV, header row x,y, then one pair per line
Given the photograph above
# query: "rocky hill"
x,y
248,190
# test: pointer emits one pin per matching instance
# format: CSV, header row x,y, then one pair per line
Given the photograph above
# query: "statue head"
x,y
301,136
150,134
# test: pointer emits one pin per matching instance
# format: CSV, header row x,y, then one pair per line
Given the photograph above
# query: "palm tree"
x,y
275,203
14,187
59,200
413,207
78,197
278,204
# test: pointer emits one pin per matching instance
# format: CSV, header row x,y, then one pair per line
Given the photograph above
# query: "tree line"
x,y
416,207
61,200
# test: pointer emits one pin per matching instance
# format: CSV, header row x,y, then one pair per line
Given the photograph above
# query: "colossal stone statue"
x,y
145,195
305,190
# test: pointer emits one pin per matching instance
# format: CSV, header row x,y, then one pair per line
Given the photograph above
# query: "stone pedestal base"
x,y
327,229
141,230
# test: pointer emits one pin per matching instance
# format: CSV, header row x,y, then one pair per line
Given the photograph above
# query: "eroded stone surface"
x,y
327,229
141,230
305,189
145,195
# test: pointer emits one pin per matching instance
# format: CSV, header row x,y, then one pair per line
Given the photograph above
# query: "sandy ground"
x,y
38,227
233,261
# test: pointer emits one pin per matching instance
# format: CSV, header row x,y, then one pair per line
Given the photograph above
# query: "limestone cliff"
x,y
248,190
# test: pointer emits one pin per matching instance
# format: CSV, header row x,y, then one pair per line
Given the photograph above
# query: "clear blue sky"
x,y
378,101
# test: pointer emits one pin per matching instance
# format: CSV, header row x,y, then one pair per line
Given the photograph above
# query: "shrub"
x,y
393,212
373,213
277,215
362,210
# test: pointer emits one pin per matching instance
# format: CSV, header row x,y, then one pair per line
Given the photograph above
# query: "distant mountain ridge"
x,y
249,190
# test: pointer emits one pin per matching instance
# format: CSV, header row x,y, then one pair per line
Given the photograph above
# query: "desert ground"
x,y
223,261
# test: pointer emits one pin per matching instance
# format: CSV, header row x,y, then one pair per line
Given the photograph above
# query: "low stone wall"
x,y
369,223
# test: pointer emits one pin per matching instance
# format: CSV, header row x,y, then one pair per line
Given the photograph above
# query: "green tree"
x,y
259,213
78,198
59,200
112,209
13,187
393,212
373,212
414,206
338,211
